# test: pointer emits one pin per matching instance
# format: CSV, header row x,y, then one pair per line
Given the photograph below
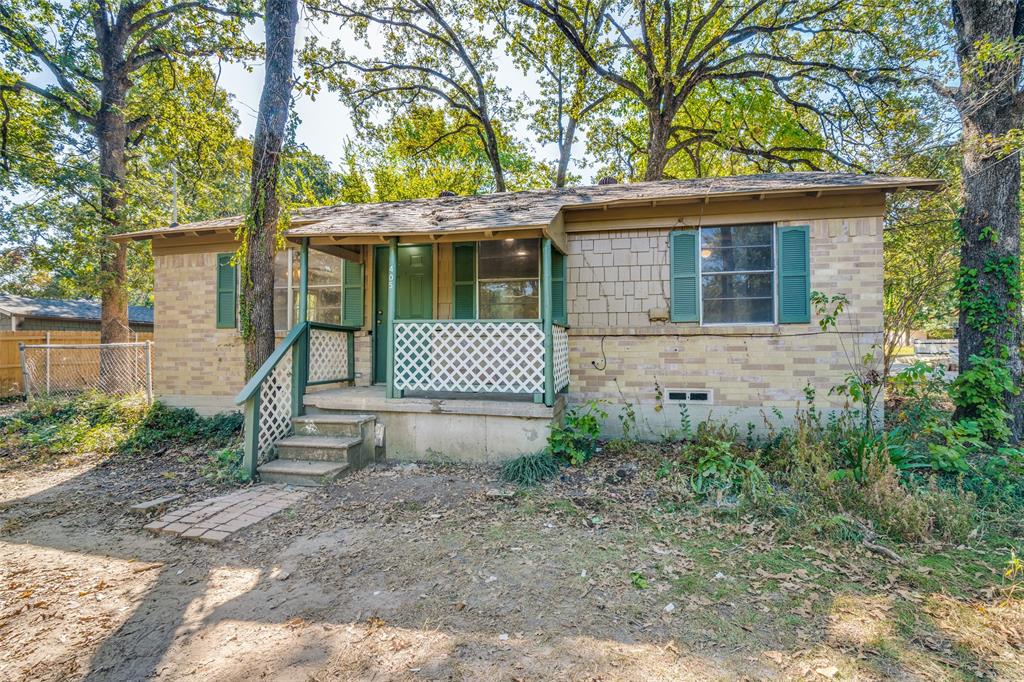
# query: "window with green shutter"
x,y
684,276
352,294
227,291
464,281
794,265
559,286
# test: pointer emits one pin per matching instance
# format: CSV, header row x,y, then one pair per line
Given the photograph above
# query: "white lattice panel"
x,y
469,357
328,355
560,341
275,407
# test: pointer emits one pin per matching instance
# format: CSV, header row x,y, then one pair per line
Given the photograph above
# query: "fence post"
x,y
24,372
47,363
149,372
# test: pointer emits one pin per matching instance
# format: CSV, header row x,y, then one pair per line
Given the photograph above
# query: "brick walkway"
x,y
216,519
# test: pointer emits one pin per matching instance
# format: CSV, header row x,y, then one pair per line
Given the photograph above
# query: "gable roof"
x,y
64,309
533,208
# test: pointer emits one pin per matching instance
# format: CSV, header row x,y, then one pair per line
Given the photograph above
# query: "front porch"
x,y
445,426
452,375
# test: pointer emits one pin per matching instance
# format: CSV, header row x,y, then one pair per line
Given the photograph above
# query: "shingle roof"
x,y
62,309
539,207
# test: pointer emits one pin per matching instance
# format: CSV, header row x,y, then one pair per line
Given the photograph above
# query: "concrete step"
x,y
331,424
301,472
317,448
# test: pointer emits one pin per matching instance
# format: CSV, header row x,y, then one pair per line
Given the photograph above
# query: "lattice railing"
x,y
275,417
560,343
328,354
469,356
311,353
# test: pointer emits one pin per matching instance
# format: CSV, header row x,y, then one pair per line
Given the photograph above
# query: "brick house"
x,y
462,325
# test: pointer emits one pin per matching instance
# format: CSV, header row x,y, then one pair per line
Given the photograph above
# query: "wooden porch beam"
x,y
390,319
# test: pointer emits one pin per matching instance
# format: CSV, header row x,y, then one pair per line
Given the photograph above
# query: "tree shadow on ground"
x,y
419,575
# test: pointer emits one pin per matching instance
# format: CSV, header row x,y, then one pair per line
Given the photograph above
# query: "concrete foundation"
x,y
447,429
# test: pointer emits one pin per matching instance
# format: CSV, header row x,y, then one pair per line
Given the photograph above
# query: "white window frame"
x,y
774,273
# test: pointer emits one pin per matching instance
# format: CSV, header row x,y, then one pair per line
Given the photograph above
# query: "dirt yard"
x,y
416,573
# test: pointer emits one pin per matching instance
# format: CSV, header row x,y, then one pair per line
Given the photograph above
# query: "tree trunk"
x,y
565,152
257,300
111,132
112,140
493,155
658,133
990,306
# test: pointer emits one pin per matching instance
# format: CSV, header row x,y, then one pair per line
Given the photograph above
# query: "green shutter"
x,y
559,301
464,281
684,276
227,291
794,274
351,294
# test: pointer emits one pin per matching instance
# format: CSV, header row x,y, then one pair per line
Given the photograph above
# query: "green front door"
x,y
415,299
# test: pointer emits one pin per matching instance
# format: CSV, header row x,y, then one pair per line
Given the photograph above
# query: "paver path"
x,y
216,519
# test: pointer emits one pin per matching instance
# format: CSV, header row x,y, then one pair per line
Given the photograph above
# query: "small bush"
x,y
225,466
103,424
530,469
575,441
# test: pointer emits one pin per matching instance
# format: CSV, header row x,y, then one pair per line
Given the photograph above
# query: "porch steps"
x,y
301,472
324,447
318,448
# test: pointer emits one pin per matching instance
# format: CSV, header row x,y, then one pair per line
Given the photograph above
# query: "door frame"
x,y
374,355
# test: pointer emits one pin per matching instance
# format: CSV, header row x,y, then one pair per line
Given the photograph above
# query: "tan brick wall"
x,y
618,278
191,357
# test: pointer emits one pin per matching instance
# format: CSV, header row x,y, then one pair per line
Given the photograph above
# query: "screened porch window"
x,y
508,279
324,299
737,274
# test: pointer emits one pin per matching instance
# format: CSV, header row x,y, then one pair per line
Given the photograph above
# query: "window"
x,y
508,279
737,274
324,299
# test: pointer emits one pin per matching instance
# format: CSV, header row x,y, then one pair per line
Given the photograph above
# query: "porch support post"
x,y
549,345
250,435
300,351
304,280
390,319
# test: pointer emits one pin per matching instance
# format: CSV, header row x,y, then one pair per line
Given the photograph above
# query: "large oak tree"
x,y
86,59
989,45
827,62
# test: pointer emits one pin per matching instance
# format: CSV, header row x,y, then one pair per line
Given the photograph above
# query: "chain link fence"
x,y
67,369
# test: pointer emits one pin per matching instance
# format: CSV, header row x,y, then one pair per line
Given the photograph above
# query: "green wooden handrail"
x,y
250,388
328,326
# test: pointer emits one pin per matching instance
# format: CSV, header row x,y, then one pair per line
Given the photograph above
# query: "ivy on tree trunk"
x,y
991,107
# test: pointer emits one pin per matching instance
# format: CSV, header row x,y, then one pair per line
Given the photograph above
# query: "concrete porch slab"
x,y
372,399
447,428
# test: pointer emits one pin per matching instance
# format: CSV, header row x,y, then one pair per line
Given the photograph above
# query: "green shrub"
x,y
103,424
530,469
575,441
225,466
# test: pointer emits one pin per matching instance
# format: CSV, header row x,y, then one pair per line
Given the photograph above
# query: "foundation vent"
x,y
695,396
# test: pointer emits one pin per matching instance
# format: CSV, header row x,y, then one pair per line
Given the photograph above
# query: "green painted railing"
x,y
273,396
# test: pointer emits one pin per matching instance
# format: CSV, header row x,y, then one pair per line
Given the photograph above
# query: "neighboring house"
x,y
22,313
464,324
